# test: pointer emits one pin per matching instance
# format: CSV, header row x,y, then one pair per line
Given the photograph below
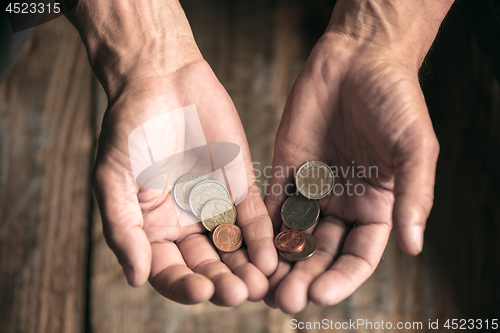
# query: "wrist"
x,y
131,40
403,30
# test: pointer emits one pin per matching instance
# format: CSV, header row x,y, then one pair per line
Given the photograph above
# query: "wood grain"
x,y
44,184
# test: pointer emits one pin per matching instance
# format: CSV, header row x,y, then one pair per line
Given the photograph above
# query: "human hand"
x,y
164,71
357,103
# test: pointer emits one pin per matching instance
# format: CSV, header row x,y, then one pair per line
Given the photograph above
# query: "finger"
x,y
122,224
281,185
275,281
257,230
414,187
200,255
170,274
282,270
173,279
292,293
359,257
162,224
256,282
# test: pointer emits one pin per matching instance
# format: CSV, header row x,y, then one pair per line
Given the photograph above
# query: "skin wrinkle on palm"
x,y
283,283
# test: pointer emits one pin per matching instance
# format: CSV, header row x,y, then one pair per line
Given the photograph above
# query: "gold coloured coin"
x,y
299,213
217,211
309,249
314,180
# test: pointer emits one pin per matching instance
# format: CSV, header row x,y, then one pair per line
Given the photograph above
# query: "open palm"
x,y
141,225
364,111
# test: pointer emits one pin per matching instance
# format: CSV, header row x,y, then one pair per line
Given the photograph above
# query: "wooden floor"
x,y
56,271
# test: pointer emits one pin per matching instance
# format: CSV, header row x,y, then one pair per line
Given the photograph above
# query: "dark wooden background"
x,y
58,275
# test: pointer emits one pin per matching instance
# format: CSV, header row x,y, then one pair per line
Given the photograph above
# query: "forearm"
x,y
407,28
134,39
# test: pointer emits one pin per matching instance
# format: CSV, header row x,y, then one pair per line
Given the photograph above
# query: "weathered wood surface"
x,y
45,133
256,48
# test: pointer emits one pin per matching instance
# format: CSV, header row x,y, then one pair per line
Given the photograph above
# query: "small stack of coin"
x,y
209,200
290,241
314,181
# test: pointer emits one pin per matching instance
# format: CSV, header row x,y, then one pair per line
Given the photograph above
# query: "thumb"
x,y
122,224
281,185
415,159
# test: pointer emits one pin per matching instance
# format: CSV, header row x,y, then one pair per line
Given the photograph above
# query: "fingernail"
x,y
417,236
129,273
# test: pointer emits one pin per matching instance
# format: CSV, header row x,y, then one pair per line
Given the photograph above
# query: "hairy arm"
x,y
407,28
128,40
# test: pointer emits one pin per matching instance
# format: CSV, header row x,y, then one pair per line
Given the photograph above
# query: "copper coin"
x,y
227,237
290,241
307,252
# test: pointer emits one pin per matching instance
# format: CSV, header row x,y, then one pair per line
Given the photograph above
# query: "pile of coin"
x,y
314,181
209,200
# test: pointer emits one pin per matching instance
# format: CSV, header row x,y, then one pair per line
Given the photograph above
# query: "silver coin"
x,y
205,191
183,187
314,180
299,213
216,212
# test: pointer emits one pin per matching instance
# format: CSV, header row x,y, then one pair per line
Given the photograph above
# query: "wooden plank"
x,y
44,184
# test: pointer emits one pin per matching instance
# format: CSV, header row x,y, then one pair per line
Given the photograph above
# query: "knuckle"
x,y
98,176
434,147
